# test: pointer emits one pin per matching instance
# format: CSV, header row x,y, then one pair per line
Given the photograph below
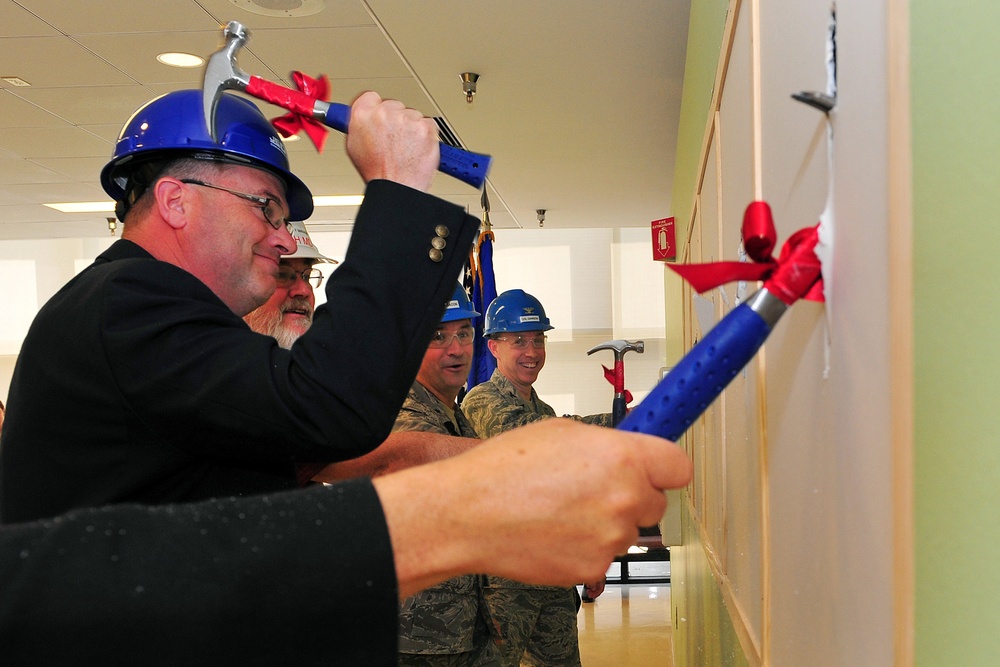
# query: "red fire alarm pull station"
x,y
664,241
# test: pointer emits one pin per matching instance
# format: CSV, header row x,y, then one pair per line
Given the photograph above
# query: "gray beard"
x,y
270,324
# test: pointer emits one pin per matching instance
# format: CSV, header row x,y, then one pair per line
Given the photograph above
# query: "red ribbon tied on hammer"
x,y
293,121
617,379
794,275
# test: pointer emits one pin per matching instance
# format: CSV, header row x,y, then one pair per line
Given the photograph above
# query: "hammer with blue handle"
x,y
705,371
222,73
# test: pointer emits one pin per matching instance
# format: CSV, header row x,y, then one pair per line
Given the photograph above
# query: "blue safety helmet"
x,y
515,310
459,308
173,126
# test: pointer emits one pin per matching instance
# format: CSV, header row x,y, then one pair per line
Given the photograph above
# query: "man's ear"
x,y
172,201
492,345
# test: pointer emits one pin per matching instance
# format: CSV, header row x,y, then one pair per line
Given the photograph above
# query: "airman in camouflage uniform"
x,y
447,625
538,623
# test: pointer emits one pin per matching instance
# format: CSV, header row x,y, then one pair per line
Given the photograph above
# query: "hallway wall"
x,y
792,509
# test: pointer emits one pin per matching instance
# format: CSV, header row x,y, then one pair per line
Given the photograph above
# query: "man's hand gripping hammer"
x,y
617,378
222,73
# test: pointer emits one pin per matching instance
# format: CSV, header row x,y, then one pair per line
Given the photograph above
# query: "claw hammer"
x,y
222,73
620,347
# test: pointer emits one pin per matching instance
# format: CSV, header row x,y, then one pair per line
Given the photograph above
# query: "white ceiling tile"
x,y
16,172
102,16
56,62
336,13
18,112
87,105
19,22
32,142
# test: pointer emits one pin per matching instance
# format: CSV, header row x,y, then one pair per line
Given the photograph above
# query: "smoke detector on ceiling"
x,y
288,8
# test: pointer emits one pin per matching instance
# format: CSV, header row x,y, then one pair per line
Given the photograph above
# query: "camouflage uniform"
x,y
538,623
446,625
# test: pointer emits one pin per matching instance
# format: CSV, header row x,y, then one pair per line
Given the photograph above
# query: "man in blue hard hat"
x,y
287,315
139,384
447,624
165,394
538,623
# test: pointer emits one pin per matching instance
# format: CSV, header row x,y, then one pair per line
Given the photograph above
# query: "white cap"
x,y
306,248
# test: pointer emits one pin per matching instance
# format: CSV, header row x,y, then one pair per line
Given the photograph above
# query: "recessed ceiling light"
x,y
181,59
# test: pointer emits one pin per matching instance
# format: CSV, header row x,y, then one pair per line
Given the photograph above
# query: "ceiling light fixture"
x,y
176,59
84,207
109,206
469,80
283,8
338,200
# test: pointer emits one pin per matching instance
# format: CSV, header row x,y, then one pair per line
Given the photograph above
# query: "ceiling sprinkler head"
x,y
469,80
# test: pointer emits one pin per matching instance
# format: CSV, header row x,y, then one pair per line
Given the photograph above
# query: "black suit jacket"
x,y
135,383
297,578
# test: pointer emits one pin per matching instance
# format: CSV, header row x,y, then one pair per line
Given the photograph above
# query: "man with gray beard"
x,y
286,316
288,313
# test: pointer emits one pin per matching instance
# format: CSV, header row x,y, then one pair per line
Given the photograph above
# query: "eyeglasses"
x,y
441,339
521,342
286,276
268,206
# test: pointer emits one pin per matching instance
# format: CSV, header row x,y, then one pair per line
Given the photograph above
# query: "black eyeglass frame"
x,y
263,203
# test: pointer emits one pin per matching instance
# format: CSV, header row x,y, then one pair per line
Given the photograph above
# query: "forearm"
x,y
552,503
401,450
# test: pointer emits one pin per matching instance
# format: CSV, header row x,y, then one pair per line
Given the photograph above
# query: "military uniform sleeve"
x,y
490,415
602,419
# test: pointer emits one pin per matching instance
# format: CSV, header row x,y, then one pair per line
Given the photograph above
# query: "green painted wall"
x,y
703,633
955,73
707,23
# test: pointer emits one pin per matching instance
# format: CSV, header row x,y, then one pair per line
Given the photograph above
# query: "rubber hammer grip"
x,y
698,379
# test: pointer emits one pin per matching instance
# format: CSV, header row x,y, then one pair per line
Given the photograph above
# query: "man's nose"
x,y
300,287
284,242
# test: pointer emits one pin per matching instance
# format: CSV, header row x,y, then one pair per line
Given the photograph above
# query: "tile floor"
x,y
629,625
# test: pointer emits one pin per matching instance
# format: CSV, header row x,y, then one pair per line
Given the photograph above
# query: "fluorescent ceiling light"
x,y
181,59
109,206
84,207
338,200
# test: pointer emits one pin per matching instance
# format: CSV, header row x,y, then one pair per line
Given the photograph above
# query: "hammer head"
x,y
222,73
620,347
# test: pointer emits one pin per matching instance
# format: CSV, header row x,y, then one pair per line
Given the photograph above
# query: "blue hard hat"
x,y
459,308
515,310
173,126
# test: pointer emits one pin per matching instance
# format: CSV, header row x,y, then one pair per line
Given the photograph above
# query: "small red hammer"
x,y
620,347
